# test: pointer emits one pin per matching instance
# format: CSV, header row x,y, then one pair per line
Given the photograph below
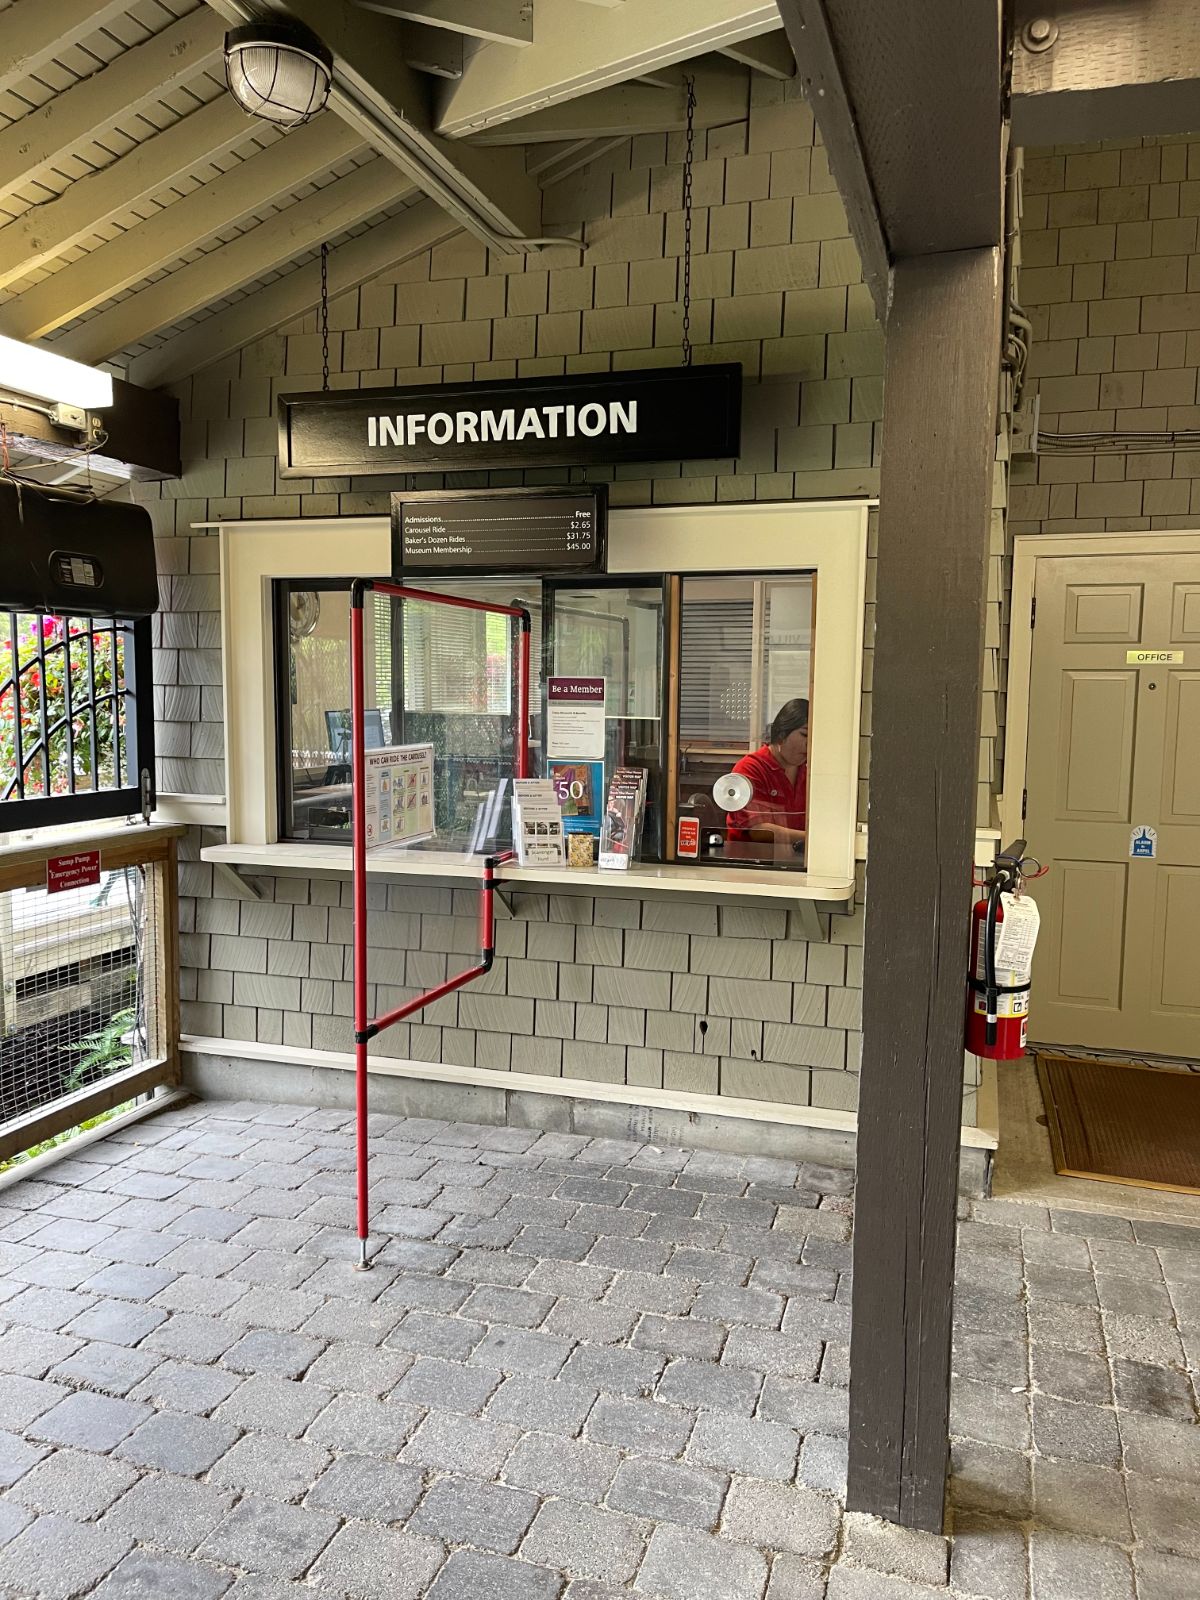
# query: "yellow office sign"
x,y
1154,658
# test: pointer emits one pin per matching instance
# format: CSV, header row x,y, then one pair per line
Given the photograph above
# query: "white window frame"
x,y
827,538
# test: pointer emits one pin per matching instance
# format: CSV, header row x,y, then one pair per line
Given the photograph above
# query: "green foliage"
x,y
104,1051
66,1136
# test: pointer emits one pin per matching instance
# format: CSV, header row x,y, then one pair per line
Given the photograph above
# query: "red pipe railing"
x,y
366,1028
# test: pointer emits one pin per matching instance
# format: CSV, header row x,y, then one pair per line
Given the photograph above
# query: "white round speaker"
x,y
733,792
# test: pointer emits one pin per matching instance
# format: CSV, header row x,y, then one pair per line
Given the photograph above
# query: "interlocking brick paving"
x,y
578,1369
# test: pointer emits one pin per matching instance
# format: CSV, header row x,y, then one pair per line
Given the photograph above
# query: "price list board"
x,y
484,532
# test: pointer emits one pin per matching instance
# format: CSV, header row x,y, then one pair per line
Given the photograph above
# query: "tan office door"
x,y
1114,745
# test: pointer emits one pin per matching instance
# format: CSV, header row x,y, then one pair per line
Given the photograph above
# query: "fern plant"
x,y
103,1051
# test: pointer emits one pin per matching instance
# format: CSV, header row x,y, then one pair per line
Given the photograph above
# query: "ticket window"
x,y
745,652
448,677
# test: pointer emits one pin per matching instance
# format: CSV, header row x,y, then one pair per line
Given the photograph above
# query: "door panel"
x,y
1089,901
1177,984
1185,614
1095,765
1181,749
1103,613
1113,746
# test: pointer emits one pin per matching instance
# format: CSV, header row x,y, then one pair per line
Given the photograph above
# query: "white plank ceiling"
x,y
136,200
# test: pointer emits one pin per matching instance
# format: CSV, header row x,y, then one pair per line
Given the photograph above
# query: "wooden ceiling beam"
x,y
389,103
357,261
224,270
1105,71
34,33
540,158
908,102
44,232
580,49
811,37
572,158
494,21
722,95
134,80
433,50
162,239
770,54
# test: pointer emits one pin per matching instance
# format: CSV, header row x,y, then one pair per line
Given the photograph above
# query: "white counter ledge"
x,y
742,885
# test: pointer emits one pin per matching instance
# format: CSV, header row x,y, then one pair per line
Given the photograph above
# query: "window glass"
x,y
457,690
313,629
615,632
745,660
445,676
434,674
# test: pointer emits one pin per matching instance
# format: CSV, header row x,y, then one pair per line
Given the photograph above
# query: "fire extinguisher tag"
x,y
1017,935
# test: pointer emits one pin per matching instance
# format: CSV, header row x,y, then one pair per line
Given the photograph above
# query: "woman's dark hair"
x,y
789,717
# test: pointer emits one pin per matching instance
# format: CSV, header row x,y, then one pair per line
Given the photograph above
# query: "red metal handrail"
x,y
365,1028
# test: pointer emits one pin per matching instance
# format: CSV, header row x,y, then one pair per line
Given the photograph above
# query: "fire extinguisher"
x,y
998,982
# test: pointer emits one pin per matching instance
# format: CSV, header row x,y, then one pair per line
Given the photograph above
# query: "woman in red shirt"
x,y
777,813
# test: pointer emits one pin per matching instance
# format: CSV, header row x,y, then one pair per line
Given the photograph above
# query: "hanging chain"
x,y
689,155
324,317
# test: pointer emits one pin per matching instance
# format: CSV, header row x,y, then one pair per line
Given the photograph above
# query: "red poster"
x,y
688,842
72,872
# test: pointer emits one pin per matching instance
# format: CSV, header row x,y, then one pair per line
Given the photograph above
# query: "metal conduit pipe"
x,y
409,152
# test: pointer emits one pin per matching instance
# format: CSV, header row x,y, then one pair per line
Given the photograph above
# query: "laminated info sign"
x,y
575,719
399,794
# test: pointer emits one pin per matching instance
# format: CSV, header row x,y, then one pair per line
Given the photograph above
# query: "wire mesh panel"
x,y
88,985
78,999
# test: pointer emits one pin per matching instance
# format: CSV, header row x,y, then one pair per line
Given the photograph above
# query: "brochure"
x,y
620,833
537,824
578,788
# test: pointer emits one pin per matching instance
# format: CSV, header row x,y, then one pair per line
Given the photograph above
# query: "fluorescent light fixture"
x,y
27,369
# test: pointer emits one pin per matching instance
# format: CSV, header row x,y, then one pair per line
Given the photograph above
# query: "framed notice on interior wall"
x,y
580,420
484,532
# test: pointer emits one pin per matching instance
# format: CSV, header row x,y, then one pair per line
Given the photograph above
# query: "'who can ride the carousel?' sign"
x,y
584,419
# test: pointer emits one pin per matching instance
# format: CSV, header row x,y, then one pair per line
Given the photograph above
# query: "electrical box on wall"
x,y
1025,427
89,558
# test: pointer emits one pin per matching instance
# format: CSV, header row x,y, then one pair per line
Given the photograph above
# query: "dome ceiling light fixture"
x,y
278,71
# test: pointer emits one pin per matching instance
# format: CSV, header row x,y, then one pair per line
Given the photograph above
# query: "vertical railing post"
x,y
358,769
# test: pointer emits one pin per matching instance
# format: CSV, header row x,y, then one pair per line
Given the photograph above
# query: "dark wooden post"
x,y
940,389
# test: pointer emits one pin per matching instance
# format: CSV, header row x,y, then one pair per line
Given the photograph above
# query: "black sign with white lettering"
x,y
585,419
485,531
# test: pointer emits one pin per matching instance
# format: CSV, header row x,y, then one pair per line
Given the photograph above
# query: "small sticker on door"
x,y
1143,841
1154,658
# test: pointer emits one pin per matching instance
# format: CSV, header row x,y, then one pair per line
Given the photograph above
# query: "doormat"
x,y
1122,1123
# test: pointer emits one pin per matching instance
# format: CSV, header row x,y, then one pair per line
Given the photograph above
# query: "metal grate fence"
x,y
76,738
